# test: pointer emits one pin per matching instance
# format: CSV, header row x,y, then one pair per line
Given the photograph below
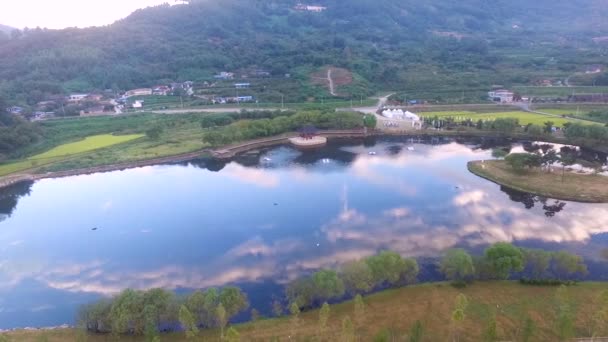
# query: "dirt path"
x,y
331,83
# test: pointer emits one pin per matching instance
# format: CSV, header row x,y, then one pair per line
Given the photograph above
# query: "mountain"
x,y
6,29
411,45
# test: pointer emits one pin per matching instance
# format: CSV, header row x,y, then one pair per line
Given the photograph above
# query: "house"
x,y
139,92
546,83
161,90
501,96
77,97
593,69
15,110
138,104
399,114
308,8
244,98
260,73
242,85
224,75
95,97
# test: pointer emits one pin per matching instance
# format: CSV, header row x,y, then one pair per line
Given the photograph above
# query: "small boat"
x,y
266,159
372,153
410,148
325,161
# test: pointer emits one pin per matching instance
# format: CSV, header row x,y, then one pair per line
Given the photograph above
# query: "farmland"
x,y
558,91
65,151
524,118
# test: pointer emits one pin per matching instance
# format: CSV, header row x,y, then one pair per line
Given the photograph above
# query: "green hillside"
x,y
386,44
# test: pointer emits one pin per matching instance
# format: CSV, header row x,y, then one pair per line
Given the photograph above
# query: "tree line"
x,y
153,311
279,123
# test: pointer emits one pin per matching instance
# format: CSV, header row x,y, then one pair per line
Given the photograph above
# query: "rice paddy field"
x,y
65,151
524,118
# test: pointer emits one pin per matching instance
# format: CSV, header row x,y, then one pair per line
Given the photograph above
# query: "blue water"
x,y
262,219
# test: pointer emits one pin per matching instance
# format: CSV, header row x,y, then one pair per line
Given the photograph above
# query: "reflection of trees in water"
x,y
9,197
550,207
211,164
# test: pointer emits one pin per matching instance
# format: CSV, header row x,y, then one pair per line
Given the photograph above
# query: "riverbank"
x,y
398,310
567,186
230,151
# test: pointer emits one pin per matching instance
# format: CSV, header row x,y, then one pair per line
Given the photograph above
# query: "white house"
x,y
314,8
501,95
77,97
399,114
138,104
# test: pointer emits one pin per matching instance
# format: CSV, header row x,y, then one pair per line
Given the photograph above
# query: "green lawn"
x,y
523,117
65,151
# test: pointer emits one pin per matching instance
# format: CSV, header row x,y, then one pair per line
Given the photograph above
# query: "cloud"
x,y
258,177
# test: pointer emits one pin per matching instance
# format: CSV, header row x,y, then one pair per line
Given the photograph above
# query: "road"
x,y
331,83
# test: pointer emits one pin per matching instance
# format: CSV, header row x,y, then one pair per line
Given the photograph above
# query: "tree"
x,y
490,334
154,133
564,314
359,311
370,121
505,125
567,264
549,158
294,321
528,329
277,308
232,335
348,330
537,261
323,318
301,291
567,159
548,127
416,332
457,265
233,300
327,285
535,130
389,267
504,258
459,313
188,322
499,153
357,277
222,319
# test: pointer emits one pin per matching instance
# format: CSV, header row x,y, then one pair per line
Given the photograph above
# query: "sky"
x,y
57,14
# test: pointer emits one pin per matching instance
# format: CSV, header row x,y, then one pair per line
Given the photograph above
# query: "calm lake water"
x,y
263,219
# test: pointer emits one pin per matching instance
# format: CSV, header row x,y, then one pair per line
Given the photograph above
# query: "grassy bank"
x,y
569,186
397,310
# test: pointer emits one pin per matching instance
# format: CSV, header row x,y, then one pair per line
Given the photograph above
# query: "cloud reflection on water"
x,y
415,219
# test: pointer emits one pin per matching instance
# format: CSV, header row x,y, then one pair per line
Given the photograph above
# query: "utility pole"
x,y
282,101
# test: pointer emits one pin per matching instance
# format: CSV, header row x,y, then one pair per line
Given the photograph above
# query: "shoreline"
x,y
232,150
576,187
384,310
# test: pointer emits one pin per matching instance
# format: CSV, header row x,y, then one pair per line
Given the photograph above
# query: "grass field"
x,y
65,151
397,310
576,187
523,117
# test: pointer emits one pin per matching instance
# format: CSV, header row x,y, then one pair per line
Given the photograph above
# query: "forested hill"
x,y
6,29
390,44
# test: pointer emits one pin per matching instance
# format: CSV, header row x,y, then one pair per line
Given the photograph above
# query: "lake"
x,y
265,218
